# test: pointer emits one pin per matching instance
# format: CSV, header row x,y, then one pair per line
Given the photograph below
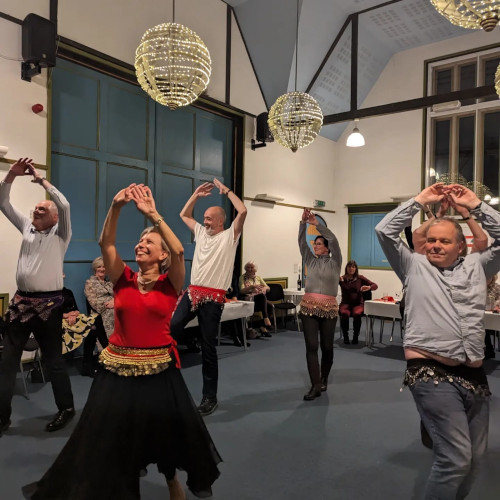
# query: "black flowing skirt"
x,y
128,423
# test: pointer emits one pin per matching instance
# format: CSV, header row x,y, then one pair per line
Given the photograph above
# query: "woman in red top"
x,y
139,410
353,285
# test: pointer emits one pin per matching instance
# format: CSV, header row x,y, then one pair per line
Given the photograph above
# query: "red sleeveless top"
x,y
142,319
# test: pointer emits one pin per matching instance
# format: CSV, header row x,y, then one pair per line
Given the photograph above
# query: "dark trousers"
x,y
356,312
260,304
325,327
90,341
48,334
209,314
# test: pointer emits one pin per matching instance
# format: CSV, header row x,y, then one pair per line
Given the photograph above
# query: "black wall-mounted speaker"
x,y
263,133
39,41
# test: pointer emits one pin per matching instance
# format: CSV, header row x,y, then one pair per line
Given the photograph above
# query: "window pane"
x,y
466,147
491,151
442,147
468,80
490,67
443,81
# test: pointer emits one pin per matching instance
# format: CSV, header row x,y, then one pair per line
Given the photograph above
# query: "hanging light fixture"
x,y
172,64
355,139
295,119
472,14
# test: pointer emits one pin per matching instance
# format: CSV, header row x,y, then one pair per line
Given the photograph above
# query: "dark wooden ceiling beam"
x,y
411,104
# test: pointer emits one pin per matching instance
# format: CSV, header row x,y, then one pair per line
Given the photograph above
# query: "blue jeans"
x,y
209,314
457,421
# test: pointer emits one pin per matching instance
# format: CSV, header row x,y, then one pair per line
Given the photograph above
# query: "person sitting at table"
x,y
99,294
253,287
353,286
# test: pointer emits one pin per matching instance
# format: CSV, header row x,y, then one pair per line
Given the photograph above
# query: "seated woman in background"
x,y
253,287
353,285
99,294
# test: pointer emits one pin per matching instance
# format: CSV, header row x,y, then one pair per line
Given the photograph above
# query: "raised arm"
x,y
145,203
480,237
62,204
239,206
112,261
490,220
20,168
187,212
305,249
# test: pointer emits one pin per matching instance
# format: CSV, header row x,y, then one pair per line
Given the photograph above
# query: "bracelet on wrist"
x,y
159,221
228,191
466,218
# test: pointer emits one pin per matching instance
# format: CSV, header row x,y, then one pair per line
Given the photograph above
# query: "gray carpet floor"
x,y
359,440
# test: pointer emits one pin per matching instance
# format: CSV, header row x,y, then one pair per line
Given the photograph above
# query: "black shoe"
x,y
355,339
237,342
4,425
324,384
346,340
314,392
207,406
424,436
60,420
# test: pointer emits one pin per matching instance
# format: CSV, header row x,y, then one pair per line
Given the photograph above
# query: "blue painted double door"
x,y
107,134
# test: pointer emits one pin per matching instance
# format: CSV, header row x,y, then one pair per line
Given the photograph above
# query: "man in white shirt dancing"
x,y
211,273
36,306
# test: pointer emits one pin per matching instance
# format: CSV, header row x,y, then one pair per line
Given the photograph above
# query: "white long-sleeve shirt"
x,y
40,264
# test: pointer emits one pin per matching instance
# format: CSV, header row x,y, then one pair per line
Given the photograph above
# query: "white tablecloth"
x,y
491,321
293,295
232,310
382,309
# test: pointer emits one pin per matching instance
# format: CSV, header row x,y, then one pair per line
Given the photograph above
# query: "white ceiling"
x,y
269,31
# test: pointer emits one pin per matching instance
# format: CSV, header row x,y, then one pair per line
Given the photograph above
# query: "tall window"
x,y
463,137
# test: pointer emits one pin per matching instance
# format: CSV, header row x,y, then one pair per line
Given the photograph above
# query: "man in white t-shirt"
x,y
211,274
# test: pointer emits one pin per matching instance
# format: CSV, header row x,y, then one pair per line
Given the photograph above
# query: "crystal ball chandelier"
x,y
472,14
172,64
295,120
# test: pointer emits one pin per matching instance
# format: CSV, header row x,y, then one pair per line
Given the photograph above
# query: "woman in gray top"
x,y
319,308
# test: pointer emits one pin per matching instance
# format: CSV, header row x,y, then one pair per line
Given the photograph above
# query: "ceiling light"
x,y
295,119
172,64
355,139
472,14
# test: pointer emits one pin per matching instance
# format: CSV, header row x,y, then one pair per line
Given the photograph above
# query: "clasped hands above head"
x,y
454,194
